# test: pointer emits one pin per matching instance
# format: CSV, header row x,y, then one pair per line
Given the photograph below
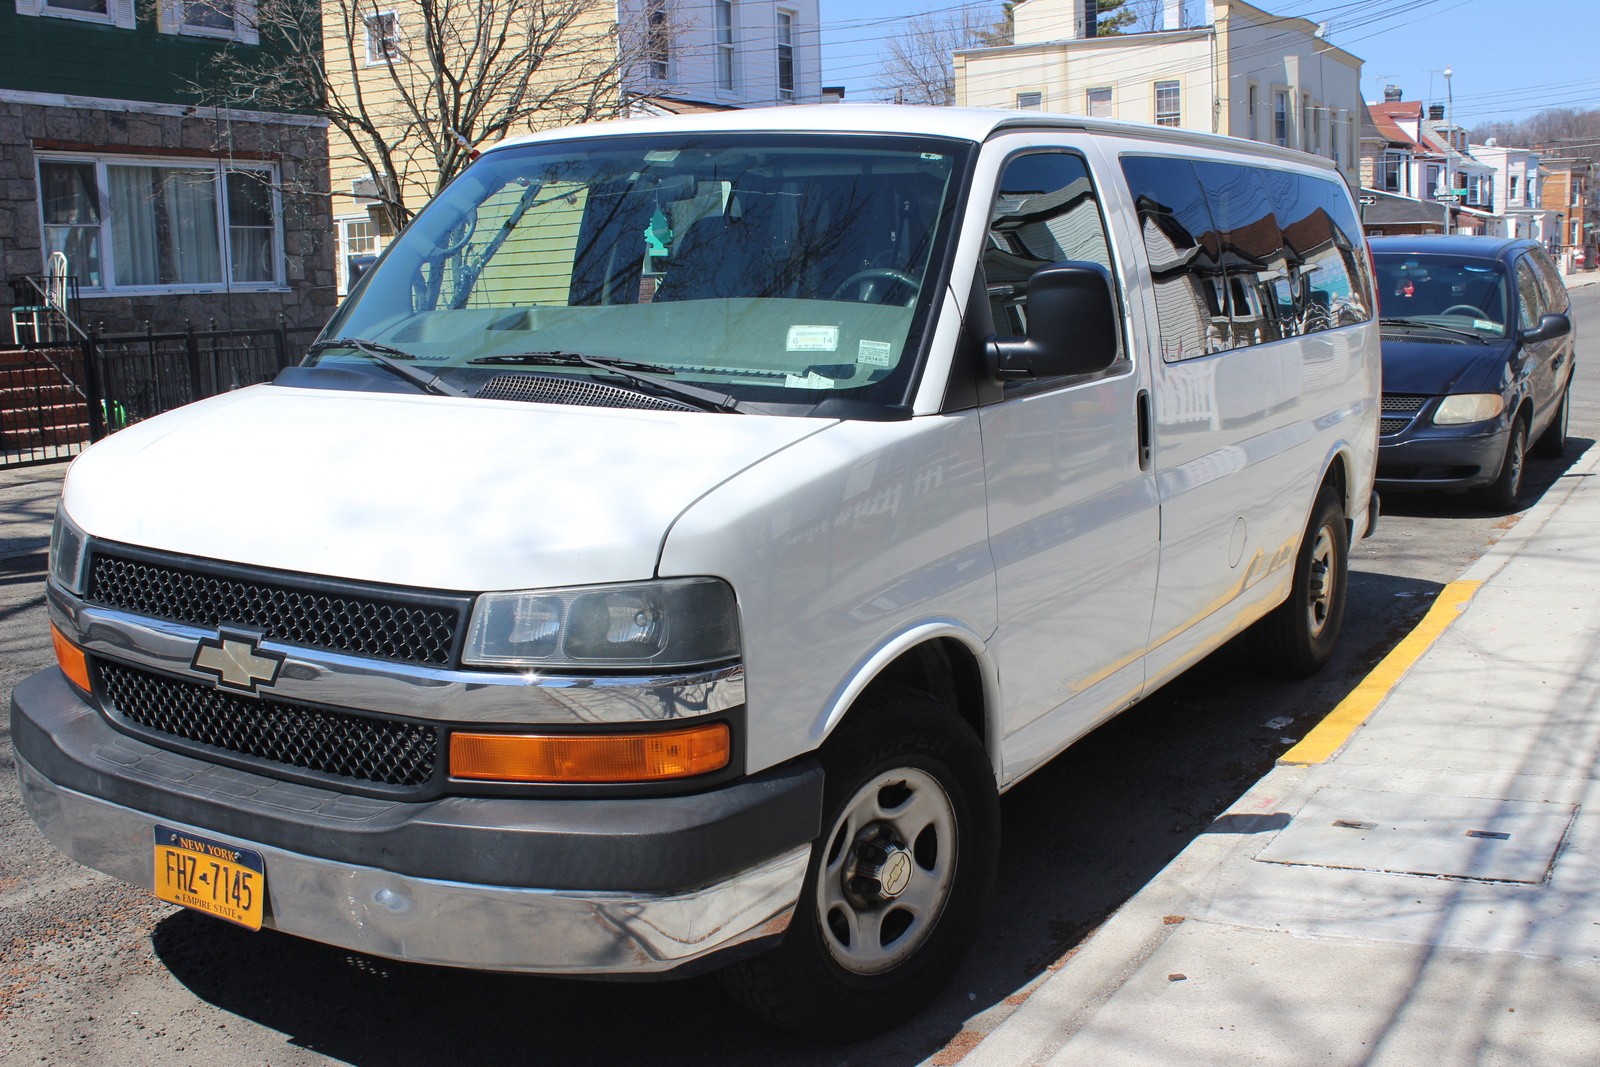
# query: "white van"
x,y
688,529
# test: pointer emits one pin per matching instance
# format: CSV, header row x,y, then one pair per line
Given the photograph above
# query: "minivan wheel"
x,y
1503,493
897,881
1298,636
1552,444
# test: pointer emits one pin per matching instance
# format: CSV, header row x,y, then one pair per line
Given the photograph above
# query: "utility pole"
x,y
1449,145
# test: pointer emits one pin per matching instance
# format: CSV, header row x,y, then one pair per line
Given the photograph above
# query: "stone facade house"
x,y
168,210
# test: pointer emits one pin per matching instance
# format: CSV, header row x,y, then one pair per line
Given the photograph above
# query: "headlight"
x,y
674,622
1468,407
67,553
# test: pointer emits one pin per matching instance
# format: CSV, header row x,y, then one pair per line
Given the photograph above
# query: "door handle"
x,y
1143,405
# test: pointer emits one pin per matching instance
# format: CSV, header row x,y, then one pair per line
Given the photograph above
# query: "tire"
x,y
1552,444
1299,635
1503,493
897,882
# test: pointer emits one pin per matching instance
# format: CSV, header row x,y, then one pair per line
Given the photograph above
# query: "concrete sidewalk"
x,y
1429,893
28,506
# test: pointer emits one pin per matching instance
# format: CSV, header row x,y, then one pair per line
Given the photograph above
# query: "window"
x,y
106,12
658,39
1530,300
1243,255
1511,192
1391,170
1030,101
1306,142
786,55
1167,104
233,20
383,38
358,247
1045,211
1250,110
724,13
1280,118
133,224
1099,103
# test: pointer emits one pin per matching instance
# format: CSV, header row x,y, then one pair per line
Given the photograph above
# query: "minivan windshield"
x,y
1446,293
774,271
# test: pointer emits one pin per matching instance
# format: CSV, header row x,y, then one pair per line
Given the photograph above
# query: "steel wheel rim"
x,y
1516,459
1319,600
887,872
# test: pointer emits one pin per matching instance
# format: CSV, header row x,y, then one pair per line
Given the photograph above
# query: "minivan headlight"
x,y
68,553
1468,407
672,622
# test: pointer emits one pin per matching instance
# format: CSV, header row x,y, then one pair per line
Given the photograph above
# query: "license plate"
x,y
209,876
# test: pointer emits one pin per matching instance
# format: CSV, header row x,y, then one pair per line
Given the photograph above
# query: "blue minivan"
x,y
1477,362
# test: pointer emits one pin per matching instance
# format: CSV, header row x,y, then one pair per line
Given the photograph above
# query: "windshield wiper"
x,y
1424,324
389,357
638,373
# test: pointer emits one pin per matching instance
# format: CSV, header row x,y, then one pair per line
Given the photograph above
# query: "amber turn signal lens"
x,y
71,658
551,758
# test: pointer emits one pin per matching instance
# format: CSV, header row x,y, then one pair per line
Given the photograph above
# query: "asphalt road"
x,y
94,972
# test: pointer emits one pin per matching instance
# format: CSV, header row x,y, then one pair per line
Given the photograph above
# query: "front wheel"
x,y
1299,635
897,881
1506,490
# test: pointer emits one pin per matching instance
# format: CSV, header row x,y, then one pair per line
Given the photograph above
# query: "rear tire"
x,y
1552,444
1503,494
1299,635
898,880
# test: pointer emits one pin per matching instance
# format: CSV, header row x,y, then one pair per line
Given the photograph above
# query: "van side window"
x,y
1254,260
1554,289
1185,255
1530,301
1328,259
1046,211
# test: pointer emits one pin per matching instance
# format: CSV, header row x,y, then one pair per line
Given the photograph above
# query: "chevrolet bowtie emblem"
x,y
236,661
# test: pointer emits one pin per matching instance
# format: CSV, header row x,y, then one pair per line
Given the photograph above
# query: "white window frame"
x,y
382,57
1252,108
658,39
342,225
1030,100
784,20
1110,101
220,169
724,46
170,19
118,13
1174,89
1282,114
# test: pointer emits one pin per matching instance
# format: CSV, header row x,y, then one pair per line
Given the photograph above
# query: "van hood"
x,y
435,492
1437,367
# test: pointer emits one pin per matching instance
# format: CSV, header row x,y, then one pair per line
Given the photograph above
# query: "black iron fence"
x,y
54,401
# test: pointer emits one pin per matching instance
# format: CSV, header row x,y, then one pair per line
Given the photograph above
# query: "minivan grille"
x,y
365,622
376,751
1396,403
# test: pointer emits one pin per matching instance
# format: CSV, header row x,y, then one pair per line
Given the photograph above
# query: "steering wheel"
x,y
869,294
1477,313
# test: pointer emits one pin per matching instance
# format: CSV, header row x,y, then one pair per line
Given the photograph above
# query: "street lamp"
x,y
1449,138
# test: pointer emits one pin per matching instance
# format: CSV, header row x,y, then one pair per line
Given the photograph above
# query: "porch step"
x,y
23,438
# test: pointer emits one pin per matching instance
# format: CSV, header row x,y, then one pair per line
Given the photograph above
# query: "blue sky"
x,y
1510,57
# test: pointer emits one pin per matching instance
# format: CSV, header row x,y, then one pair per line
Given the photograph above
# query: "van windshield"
x,y
780,270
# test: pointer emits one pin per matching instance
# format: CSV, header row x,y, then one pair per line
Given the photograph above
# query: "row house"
x,y
1417,174
698,55
1568,193
1238,71
164,207
1519,194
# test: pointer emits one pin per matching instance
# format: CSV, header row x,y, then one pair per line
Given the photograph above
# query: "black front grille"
x,y
387,752
1402,403
411,628
1389,427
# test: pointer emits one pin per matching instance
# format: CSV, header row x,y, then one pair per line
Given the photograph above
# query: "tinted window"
x,y
1185,252
1327,259
1530,301
1260,304
1550,283
1046,211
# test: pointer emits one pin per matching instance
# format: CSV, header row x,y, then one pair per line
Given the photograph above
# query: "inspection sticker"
x,y
813,339
810,380
875,353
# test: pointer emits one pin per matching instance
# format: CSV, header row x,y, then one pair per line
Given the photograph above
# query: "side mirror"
x,y
1549,328
1072,326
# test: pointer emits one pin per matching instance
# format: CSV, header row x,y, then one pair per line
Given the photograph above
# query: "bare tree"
x,y
917,68
412,85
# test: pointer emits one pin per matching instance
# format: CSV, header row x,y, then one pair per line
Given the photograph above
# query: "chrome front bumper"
x,y
452,923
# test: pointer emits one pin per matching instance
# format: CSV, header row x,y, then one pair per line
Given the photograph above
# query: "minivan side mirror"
x,y
1072,326
1550,327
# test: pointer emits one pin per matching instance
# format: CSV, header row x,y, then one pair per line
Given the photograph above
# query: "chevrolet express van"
x,y
689,527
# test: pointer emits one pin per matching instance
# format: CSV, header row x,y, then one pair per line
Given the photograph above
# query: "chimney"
x,y
1435,112
1391,94
1172,14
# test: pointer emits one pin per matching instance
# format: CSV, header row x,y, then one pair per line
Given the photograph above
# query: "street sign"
x,y
1451,199
1368,201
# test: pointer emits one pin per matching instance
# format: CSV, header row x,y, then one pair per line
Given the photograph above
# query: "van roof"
x,y
969,124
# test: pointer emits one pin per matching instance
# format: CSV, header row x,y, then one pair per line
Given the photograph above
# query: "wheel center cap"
x,y
896,873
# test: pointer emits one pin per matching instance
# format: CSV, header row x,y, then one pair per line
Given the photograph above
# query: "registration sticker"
x,y
875,353
209,876
813,339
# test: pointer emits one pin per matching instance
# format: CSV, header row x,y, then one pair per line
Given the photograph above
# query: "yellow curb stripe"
x,y
1329,735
